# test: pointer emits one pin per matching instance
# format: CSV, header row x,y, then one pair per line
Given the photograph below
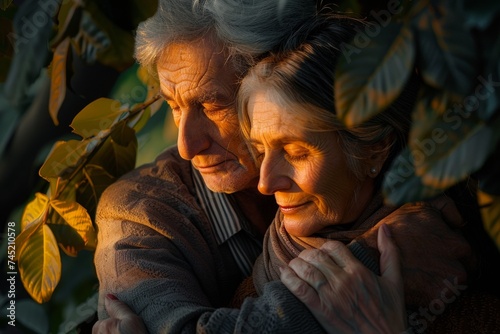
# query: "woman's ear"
x,y
377,155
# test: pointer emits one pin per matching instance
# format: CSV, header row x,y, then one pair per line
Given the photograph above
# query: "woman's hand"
x,y
122,320
343,295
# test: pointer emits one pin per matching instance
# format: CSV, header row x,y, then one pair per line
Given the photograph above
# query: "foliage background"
x,y
453,45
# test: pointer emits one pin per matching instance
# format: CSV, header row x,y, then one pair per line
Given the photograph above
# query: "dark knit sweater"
x,y
157,252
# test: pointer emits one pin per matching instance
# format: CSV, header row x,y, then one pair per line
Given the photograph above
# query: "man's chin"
x,y
228,183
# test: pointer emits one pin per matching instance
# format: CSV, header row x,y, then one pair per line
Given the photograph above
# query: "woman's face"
x,y
305,170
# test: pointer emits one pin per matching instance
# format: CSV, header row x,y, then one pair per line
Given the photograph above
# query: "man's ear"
x,y
377,155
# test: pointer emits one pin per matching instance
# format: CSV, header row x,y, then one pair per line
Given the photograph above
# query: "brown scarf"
x,y
280,247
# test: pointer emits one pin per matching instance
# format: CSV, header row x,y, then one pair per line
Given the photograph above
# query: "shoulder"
x,y
163,187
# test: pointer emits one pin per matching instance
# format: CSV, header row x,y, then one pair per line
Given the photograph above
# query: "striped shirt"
x,y
229,225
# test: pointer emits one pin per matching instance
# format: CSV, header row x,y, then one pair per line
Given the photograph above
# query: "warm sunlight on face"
x,y
305,170
200,86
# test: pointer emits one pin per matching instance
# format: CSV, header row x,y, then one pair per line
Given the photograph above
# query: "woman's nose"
x,y
194,134
273,177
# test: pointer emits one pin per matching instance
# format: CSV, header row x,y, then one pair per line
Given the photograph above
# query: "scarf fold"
x,y
279,247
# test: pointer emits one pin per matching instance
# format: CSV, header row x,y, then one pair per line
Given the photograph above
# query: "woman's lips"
x,y
290,209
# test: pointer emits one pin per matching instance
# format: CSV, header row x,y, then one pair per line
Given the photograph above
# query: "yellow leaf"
x,y
63,157
26,234
40,264
99,115
490,213
140,120
58,79
67,238
34,210
75,216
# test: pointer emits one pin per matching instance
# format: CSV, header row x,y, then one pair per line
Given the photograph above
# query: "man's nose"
x,y
273,176
193,136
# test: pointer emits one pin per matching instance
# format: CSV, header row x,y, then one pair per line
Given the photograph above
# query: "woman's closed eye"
x,y
296,154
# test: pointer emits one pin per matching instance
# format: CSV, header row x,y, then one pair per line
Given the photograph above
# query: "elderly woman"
x,y
325,177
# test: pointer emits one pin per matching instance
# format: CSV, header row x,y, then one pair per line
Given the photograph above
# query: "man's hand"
x,y
122,320
343,295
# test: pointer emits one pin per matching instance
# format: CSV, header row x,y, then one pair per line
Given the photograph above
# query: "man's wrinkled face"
x,y
200,86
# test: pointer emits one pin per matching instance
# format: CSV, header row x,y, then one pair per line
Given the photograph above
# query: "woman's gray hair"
x,y
246,28
302,73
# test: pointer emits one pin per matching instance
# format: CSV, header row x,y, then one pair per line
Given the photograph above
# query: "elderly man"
x,y
177,237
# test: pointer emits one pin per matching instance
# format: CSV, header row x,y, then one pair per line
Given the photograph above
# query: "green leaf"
x,y
63,158
369,81
75,216
490,213
99,115
401,184
447,51
35,210
447,147
58,78
40,264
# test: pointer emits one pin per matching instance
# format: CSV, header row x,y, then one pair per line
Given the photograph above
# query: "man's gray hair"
x,y
246,28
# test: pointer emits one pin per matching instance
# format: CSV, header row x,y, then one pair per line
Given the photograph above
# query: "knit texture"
x,y
157,252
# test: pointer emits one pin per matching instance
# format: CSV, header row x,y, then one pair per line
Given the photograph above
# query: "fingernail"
x,y
111,296
386,230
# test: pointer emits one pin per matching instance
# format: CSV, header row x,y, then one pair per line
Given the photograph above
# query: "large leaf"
x,y
67,237
35,210
63,158
490,213
40,264
447,51
447,147
99,115
58,79
97,180
369,80
23,238
401,184
75,216
117,154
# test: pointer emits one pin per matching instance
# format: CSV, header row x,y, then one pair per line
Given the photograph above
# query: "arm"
x,y
434,253
156,255
343,295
